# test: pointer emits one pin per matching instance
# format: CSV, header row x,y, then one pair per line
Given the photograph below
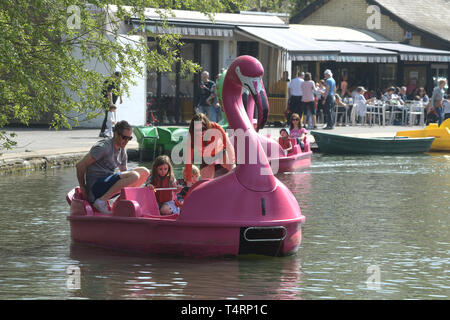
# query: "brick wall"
x,y
353,13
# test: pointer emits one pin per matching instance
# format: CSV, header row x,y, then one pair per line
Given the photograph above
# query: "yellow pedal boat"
x,y
441,135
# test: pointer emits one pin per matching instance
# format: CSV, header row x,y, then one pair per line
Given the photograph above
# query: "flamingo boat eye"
x,y
240,212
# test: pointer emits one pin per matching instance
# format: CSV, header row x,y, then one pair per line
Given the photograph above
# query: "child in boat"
x,y
296,130
185,185
284,141
162,176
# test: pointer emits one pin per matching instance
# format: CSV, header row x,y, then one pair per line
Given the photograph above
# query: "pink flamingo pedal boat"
x,y
296,159
247,210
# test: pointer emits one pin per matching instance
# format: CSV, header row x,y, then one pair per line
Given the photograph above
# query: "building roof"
x,y
408,52
320,32
431,17
299,47
355,52
196,17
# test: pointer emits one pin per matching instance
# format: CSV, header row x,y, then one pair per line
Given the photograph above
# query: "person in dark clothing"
x,y
110,94
207,97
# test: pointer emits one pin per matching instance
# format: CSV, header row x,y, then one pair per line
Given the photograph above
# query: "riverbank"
x,y
41,148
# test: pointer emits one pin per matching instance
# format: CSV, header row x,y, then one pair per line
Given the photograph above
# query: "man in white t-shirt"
x,y
295,93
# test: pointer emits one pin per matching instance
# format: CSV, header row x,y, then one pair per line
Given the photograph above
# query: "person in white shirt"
x,y
308,88
360,102
295,93
111,120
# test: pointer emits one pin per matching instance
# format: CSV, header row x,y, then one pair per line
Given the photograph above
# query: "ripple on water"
x,y
360,211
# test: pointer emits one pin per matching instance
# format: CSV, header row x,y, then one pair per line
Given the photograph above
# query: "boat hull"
x,y
169,237
338,144
292,163
135,225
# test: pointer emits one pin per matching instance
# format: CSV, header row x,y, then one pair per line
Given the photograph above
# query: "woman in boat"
x,y
296,130
213,142
162,176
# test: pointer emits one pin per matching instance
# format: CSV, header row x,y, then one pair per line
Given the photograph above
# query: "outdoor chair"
x,y
414,109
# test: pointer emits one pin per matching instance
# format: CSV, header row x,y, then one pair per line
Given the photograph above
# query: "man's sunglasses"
x,y
128,138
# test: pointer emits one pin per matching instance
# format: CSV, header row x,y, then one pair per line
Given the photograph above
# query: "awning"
x,y
299,48
185,29
411,53
357,53
191,31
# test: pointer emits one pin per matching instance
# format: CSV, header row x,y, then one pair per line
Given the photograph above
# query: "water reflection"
x,y
384,211
110,275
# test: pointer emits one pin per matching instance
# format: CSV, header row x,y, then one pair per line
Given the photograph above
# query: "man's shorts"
x,y
103,184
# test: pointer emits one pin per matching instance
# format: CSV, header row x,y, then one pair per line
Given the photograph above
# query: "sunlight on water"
x,y
380,217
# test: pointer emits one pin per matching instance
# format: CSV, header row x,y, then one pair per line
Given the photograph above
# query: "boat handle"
x,y
265,228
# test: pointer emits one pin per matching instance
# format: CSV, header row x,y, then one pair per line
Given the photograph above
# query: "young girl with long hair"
x,y
162,176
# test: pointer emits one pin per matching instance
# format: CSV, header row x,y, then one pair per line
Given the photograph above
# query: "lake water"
x,y
376,228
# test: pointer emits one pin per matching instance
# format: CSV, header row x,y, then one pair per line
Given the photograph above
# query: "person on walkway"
x,y
111,120
446,106
344,86
330,100
308,88
295,93
111,91
96,171
207,98
436,100
216,153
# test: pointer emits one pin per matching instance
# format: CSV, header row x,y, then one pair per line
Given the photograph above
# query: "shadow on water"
x,y
107,274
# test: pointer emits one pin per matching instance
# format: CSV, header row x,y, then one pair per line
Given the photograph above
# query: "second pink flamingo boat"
x,y
296,159
248,210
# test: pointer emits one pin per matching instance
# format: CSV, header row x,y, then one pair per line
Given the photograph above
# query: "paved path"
x,y
40,142
35,142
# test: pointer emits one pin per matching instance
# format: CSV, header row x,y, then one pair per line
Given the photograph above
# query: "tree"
x,y
39,72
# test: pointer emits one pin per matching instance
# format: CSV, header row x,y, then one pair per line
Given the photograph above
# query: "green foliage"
x,y
40,72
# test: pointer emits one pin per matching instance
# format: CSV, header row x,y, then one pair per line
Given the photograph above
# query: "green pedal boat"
x,y
154,141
